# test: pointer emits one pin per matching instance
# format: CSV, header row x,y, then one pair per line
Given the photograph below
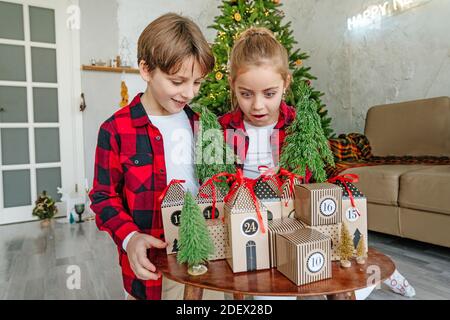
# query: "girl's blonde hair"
x,y
255,47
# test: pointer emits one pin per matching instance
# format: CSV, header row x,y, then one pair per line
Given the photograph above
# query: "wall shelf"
x,y
109,69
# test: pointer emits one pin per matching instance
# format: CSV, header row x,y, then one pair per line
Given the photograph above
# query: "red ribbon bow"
x,y
211,182
241,181
291,178
343,179
163,194
270,174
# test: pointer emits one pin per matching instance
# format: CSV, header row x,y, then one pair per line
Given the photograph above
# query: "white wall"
x,y
407,58
98,39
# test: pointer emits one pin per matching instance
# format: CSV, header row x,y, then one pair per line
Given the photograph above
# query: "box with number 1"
x,y
318,204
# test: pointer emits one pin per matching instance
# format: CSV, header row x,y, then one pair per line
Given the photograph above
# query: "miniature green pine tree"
x,y
212,154
345,247
305,144
195,244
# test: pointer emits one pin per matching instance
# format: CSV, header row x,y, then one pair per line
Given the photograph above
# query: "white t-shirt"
x,y
179,147
259,149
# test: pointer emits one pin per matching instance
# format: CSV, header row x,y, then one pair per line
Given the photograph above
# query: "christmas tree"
x,y
195,244
305,145
212,154
238,15
345,246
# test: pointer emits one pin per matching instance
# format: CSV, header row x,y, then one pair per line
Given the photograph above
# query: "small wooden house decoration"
x,y
247,248
267,192
171,206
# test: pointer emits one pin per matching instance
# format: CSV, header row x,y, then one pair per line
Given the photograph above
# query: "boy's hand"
x,y
137,255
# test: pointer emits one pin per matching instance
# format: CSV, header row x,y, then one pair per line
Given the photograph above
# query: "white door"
x,y
37,126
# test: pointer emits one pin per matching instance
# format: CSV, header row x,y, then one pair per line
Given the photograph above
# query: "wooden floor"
x,y
34,263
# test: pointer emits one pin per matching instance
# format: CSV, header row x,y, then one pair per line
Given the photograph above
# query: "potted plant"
x,y
45,209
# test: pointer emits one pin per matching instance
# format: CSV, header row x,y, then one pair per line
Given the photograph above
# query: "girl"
x,y
255,130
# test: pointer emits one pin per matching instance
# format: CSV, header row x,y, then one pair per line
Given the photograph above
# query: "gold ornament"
x,y
298,62
237,16
124,94
276,1
266,13
219,76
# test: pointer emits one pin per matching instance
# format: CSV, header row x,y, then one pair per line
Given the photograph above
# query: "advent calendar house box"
x,y
247,248
205,198
318,203
267,193
303,256
218,232
355,217
287,198
278,226
334,232
171,206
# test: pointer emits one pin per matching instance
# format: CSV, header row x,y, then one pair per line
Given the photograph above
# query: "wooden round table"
x,y
270,282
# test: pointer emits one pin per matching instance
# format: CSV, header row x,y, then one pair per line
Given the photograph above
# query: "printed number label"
x,y
250,227
316,262
175,218
207,213
328,207
351,214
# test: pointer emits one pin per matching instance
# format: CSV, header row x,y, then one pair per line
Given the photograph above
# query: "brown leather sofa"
x,y
411,201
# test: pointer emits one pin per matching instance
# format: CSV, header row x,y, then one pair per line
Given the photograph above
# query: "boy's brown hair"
x,y
171,38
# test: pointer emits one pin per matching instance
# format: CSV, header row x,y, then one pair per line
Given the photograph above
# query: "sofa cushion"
x,y
380,184
425,226
415,128
426,189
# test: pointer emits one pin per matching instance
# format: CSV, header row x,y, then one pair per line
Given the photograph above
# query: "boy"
x,y
137,154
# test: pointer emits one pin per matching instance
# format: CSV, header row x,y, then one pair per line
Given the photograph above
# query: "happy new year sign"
x,y
373,14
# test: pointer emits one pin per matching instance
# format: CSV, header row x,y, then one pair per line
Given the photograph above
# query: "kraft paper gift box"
x,y
171,206
355,218
334,232
287,198
318,203
267,192
278,226
205,201
303,256
218,232
247,246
